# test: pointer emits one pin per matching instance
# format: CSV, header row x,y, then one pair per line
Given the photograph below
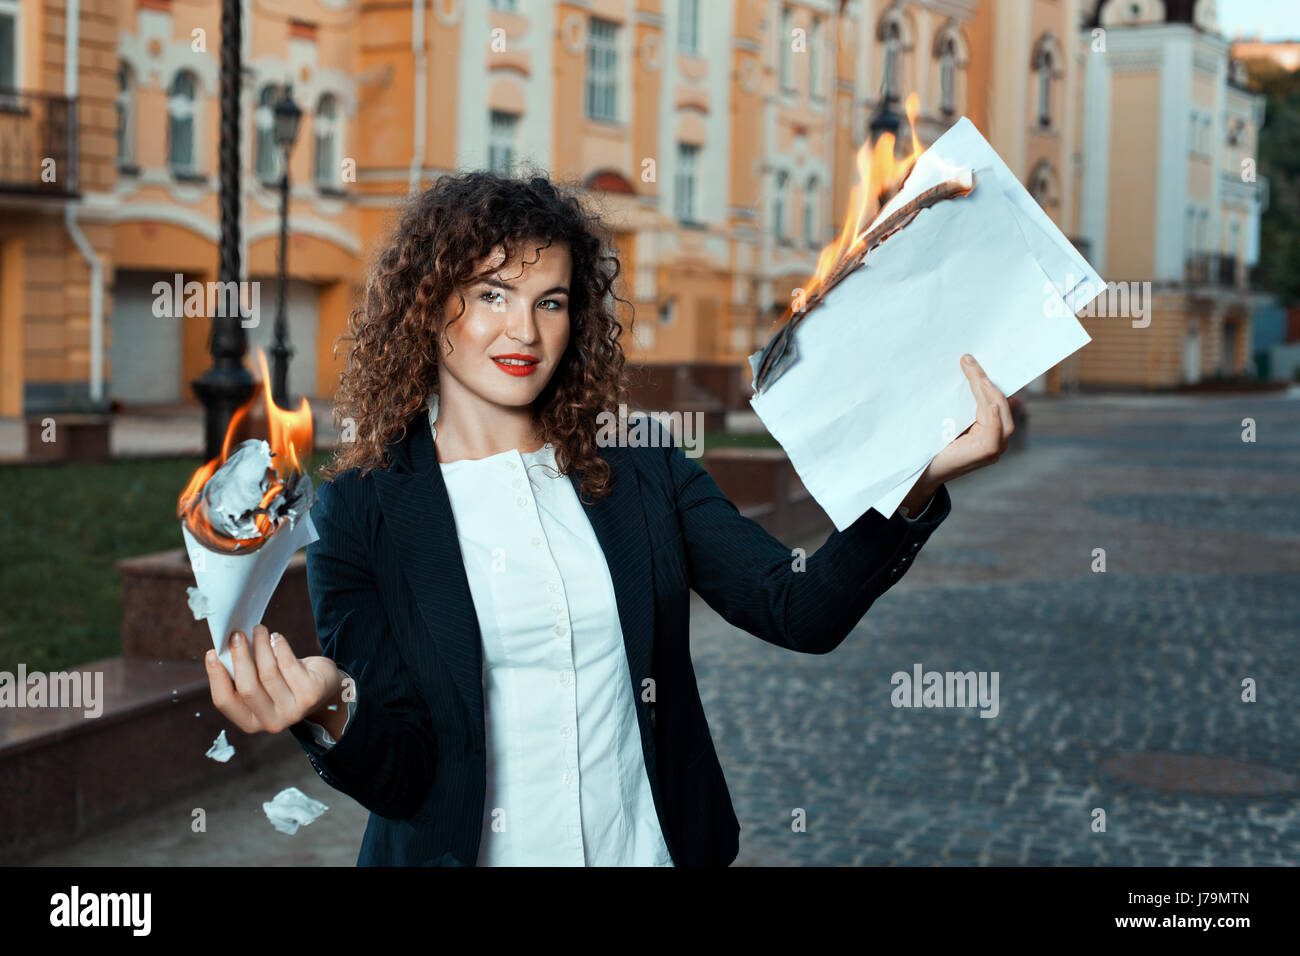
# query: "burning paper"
x,y
242,517
862,388
291,809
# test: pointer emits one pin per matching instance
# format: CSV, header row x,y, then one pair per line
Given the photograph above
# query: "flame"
x,y
880,172
288,432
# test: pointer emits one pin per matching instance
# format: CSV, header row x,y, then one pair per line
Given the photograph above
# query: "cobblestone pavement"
x,y
1118,690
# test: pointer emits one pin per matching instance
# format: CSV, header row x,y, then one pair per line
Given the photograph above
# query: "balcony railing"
x,y
38,143
1216,270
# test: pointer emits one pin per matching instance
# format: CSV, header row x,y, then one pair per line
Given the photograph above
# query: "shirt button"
x,y
559,629
567,776
537,542
517,483
565,677
521,501
557,608
566,731
553,586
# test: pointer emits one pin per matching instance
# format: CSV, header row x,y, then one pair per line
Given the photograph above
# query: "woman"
x,y
503,601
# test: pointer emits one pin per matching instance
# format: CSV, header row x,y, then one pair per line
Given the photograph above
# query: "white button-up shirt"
x,y
566,778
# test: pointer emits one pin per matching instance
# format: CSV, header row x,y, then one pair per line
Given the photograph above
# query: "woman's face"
x,y
509,342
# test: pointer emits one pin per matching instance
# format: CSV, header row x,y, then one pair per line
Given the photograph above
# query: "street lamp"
x,y
287,118
226,385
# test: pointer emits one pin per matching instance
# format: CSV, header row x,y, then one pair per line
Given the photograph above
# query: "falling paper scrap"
x,y
221,749
243,516
291,809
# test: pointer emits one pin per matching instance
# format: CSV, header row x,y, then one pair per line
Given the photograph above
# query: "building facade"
x,y
718,139
1170,146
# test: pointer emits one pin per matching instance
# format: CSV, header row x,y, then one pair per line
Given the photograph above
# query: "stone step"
x,y
63,773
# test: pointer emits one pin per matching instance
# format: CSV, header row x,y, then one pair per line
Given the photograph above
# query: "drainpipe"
x,y
70,65
421,86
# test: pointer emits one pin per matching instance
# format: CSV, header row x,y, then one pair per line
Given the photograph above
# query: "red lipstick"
x,y
516,364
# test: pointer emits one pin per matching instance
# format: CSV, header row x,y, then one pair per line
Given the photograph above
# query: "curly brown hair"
x,y
442,233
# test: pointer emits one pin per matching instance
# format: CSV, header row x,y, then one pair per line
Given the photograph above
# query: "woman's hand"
x,y
981,444
272,689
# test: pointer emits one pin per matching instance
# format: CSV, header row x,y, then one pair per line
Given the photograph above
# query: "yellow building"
x,y
719,135
1172,198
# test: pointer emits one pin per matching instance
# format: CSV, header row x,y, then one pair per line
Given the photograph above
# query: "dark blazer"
x,y
393,609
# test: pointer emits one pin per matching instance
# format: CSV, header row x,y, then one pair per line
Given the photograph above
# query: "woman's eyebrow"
x,y
498,284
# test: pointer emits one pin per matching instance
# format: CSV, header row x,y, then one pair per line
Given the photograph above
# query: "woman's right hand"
x,y
272,689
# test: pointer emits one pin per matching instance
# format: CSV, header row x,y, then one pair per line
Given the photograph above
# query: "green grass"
x,y
65,525
738,440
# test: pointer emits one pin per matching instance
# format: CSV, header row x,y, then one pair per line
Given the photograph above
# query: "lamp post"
x,y
287,118
226,385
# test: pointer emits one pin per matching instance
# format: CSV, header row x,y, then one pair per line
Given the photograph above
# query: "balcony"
x,y
34,128
1214,269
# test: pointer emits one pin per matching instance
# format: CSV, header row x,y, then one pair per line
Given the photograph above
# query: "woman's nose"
x,y
520,323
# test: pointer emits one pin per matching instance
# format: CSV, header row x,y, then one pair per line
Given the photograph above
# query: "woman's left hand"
x,y
981,444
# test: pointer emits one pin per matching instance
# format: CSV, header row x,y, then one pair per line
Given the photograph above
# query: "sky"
x,y
1270,19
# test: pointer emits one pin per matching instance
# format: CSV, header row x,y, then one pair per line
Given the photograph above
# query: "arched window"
x,y
1042,184
779,204
267,153
1047,67
811,200
182,115
326,128
947,76
125,115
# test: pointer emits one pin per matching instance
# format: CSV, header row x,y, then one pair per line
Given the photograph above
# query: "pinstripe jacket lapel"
x,y
417,513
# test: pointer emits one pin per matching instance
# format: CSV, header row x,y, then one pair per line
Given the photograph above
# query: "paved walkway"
x,y
1101,675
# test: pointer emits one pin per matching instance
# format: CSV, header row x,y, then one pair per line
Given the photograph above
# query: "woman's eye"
x,y
555,302
487,296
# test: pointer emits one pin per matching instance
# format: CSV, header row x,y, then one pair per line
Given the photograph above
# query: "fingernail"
x,y
967,358
210,656
276,636
237,639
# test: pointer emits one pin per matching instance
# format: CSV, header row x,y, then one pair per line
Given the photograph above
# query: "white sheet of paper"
x,y
238,587
962,147
877,390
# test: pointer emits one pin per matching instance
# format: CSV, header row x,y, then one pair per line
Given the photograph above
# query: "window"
x,y
779,205
688,28
182,111
814,57
787,51
326,129
501,142
1041,183
1046,64
602,70
893,39
687,178
9,34
948,76
811,200
125,119
267,153
1045,92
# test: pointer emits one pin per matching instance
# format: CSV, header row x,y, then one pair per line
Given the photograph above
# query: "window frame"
x,y
601,102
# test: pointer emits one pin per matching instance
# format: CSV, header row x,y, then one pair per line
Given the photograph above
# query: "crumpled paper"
x,y
234,589
291,809
221,750
877,389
